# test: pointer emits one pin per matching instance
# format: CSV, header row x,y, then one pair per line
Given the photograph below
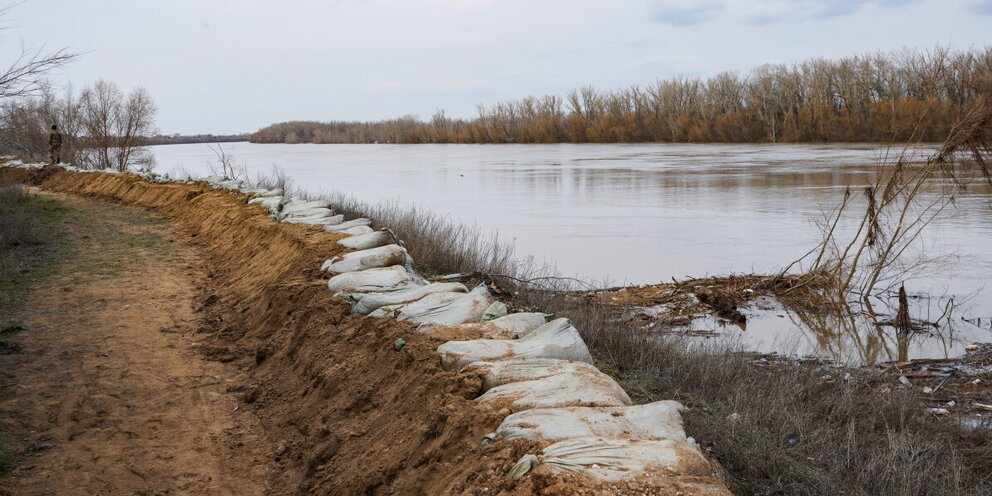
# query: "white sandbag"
x,y
468,308
366,241
364,303
357,230
378,279
271,204
499,372
297,205
496,310
617,459
273,192
430,300
654,421
253,191
263,199
513,326
383,256
229,184
349,224
580,387
556,339
307,212
521,323
212,180
316,219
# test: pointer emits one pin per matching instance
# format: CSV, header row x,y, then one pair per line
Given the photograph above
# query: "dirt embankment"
x,y
342,411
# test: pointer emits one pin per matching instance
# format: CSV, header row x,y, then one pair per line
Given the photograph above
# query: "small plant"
x,y
9,329
8,346
12,193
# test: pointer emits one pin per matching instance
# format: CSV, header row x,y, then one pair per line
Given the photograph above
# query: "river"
x,y
644,213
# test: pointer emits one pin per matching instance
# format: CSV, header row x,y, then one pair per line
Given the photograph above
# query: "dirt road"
x,y
108,394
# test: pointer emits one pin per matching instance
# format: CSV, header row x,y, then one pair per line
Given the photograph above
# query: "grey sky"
x,y
232,66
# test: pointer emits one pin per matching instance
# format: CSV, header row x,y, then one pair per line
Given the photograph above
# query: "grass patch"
x,y
28,237
7,345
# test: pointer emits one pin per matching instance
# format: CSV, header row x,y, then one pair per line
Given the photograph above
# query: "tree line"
x,y
101,126
884,96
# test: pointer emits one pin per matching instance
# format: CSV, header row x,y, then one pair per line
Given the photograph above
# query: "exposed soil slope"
x,y
343,412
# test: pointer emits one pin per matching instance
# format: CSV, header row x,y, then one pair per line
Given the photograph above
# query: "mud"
x,y
341,411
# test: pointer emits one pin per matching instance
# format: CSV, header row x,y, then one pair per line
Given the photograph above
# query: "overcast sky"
x,y
233,66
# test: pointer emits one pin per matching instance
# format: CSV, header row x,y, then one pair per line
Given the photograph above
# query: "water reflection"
x,y
647,213
854,338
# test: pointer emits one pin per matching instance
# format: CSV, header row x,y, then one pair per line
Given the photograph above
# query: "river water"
x,y
644,213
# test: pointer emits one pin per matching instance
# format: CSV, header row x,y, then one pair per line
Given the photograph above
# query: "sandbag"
x,y
513,326
617,459
229,184
273,192
580,387
430,300
297,205
383,256
496,310
366,241
379,279
307,212
499,372
357,230
271,204
556,339
658,420
253,191
317,219
364,303
468,308
348,225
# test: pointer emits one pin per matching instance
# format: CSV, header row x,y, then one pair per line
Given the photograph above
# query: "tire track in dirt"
x,y
109,394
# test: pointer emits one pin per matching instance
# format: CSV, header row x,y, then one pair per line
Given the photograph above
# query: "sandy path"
x,y
108,395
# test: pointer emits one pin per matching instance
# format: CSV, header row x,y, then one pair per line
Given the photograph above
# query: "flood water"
x,y
644,213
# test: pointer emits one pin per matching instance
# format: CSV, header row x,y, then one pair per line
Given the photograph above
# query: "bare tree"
x,y
27,73
115,127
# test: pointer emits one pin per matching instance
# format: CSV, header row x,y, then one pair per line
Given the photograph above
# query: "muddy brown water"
x,y
633,214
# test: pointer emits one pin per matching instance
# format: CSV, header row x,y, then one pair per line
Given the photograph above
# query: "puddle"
x,y
851,339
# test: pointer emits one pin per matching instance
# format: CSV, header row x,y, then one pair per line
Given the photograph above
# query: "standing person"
x,y
55,145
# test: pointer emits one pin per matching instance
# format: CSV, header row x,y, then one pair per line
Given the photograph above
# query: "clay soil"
x,y
216,362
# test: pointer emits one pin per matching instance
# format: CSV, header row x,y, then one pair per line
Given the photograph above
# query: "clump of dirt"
x,y
41,175
344,411
681,301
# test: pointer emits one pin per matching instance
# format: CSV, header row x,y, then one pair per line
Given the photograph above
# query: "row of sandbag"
x,y
301,211
146,174
547,378
380,265
541,369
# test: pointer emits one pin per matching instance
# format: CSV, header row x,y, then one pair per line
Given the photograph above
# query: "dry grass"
x,y
22,228
793,427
